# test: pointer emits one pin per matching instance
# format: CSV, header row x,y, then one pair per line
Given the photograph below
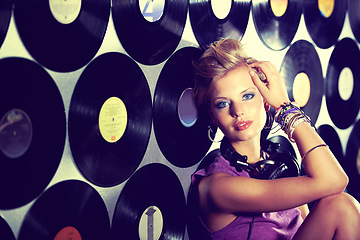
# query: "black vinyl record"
x,y
276,25
343,104
71,209
6,232
325,21
352,161
331,138
149,40
62,35
353,7
32,131
5,16
110,119
209,27
182,145
150,206
303,58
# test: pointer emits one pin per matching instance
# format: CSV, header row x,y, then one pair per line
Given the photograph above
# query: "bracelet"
x,y
312,149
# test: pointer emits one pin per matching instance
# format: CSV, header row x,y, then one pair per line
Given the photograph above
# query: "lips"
x,y
242,125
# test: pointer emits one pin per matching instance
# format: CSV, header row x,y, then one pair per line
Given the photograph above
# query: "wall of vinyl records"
x,y
98,132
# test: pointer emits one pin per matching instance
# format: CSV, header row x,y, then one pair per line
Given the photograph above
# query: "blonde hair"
x,y
221,57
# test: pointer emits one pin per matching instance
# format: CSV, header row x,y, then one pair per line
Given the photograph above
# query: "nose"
x,y
236,110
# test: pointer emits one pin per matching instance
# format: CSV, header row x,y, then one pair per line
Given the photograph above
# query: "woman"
x,y
228,202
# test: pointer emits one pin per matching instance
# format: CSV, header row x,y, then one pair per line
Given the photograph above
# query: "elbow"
x,y
339,183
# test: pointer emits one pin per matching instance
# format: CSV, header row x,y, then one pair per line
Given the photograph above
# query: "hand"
x,y
273,90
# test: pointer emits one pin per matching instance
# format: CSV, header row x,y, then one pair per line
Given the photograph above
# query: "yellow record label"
x,y
279,7
112,119
221,8
301,89
68,233
65,11
326,7
151,224
346,84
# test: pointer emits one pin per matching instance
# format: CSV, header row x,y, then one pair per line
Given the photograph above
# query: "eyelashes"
x,y
225,103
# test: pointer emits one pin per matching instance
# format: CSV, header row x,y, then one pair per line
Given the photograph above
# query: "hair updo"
x,y
221,57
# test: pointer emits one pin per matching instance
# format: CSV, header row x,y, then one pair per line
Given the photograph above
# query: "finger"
x,y
258,83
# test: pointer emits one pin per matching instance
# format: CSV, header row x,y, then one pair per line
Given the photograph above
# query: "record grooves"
x,y
33,130
303,58
353,7
149,42
72,207
153,185
208,27
276,32
346,55
171,135
110,76
323,29
56,44
5,16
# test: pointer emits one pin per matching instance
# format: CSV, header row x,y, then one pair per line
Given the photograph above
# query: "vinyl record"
x,y
70,209
285,144
276,22
62,35
353,7
352,161
5,16
149,31
331,138
324,20
181,132
110,119
212,20
301,70
150,206
32,131
343,83
5,231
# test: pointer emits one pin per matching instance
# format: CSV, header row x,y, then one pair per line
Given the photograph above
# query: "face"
x,y
237,106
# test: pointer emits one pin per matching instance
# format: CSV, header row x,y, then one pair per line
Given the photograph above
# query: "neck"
x,y
250,148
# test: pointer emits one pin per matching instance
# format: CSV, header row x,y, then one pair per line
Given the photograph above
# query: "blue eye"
x,y
222,104
248,96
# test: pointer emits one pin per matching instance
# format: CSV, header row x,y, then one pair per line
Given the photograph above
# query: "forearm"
x,y
319,163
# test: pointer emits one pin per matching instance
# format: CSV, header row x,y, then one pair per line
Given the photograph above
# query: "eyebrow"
x,y
250,88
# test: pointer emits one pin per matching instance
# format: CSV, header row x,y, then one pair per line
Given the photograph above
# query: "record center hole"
x,y
68,233
152,10
346,83
279,7
221,8
326,7
187,111
301,89
151,224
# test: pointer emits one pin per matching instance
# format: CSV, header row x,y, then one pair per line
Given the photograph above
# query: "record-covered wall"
x,y
98,132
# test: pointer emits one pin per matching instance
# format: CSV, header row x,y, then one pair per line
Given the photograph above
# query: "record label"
x,y
301,89
221,8
346,83
112,119
65,11
278,7
15,133
151,224
152,10
358,161
326,7
186,108
68,233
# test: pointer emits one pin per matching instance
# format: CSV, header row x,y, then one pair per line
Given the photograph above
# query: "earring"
x,y
269,119
211,135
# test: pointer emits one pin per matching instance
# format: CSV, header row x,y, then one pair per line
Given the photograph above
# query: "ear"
x,y
266,106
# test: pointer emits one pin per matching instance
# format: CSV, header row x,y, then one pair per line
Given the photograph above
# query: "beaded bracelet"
x,y
289,116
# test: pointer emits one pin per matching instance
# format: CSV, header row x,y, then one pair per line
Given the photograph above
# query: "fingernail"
x,y
252,73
